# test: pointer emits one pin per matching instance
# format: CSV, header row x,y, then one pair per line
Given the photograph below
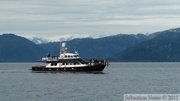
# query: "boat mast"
x,y
63,49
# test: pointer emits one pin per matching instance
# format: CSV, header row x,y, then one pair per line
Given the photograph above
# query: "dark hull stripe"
x,y
87,68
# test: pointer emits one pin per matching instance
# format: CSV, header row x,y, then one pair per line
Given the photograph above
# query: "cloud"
x,y
65,18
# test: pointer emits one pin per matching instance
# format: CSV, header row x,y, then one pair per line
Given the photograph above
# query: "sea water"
x,y
19,83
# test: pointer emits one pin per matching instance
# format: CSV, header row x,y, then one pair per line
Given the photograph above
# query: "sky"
x,y
54,19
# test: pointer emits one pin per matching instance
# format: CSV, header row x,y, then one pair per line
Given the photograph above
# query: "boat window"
x,y
65,56
53,64
68,56
75,56
74,63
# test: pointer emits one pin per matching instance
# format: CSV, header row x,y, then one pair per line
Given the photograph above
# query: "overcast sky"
x,y
54,19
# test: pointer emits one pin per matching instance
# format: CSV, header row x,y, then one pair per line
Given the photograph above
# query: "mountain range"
x,y
156,47
15,48
161,46
97,48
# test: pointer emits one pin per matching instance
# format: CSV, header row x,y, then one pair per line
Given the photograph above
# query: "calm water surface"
x,y
18,83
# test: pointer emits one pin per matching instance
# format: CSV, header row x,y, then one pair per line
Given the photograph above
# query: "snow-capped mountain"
x,y
66,39
39,40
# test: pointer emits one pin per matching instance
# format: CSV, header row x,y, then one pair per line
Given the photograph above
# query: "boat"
x,y
67,61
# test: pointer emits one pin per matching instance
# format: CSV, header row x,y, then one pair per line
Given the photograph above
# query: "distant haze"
x,y
55,19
